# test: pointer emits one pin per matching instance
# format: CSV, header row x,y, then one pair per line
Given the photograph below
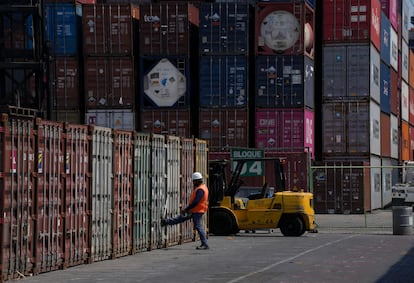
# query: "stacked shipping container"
x,y
167,75
284,74
109,49
224,72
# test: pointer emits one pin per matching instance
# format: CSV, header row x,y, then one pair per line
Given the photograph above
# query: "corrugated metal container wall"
x,y
64,81
411,133
386,180
352,21
77,195
109,82
411,105
201,148
142,189
395,137
340,187
121,119
405,141
224,81
174,202
284,81
176,122
17,32
394,92
411,68
405,19
187,169
404,61
285,130
376,190
158,191
17,198
394,49
385,39
389,7
284,29
165,28
69,116
122,193
165,82
50,172
404,101
385,88
346,128
375,76
108,29
224,127
102,193
385,135
224,28
61,28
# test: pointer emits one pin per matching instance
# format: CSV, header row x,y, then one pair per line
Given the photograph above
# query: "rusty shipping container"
x,y
123,154
224,128
176,122
352,21
109,82
341,187
142,192
76,197
109,29
102,173
386,136
167,28
65,81
284,29
17,147
50,193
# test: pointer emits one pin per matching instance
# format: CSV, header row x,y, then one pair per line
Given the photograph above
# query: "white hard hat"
x,y
197,176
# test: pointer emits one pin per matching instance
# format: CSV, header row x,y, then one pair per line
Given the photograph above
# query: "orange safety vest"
x,y
202,206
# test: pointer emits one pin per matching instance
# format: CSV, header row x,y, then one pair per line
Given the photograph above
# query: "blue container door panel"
x,y
385,88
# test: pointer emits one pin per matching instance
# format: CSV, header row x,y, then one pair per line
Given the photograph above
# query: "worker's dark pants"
x,y
198,225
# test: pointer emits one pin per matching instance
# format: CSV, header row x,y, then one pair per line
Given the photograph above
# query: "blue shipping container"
x,y
280,81
61,28
385,88
385,39
165,82
223,81
224,28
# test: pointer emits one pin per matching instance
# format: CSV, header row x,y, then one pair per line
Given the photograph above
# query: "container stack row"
x,y
365,101
76,194
284,76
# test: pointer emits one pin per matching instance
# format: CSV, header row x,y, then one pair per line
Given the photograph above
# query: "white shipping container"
x,y
375,128
404,101
394,49
375,163
405,20
386,179
374,74
404,61
394,136
121,119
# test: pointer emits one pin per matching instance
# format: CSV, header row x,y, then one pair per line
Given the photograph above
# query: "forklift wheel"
x,y
221,223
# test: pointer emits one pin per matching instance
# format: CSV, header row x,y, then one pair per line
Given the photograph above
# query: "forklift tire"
x,y
292,226
221,224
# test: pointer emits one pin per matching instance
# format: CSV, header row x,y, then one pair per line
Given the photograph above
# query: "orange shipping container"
x,y
405,141
411,68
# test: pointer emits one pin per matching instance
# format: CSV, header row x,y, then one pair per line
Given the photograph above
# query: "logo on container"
x,y
151,19
386,38
375,19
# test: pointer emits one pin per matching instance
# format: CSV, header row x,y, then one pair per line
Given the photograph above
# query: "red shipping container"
x,y
352,21
411,105
395,95
224,128
176,122
284,129
76,198
389,7
411,129
123,193
108,29
17,197
405,141
165,28
109,82
385,135
49,196
64,81
284,29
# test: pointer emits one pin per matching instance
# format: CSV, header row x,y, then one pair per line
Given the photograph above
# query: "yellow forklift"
x,y
230,212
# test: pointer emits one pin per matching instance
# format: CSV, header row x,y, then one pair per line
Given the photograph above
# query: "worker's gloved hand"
x,y
184,212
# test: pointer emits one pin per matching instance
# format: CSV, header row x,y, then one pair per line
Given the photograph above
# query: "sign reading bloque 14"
x,y
252,167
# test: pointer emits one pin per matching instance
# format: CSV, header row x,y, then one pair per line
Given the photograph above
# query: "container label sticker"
x,y
40,162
